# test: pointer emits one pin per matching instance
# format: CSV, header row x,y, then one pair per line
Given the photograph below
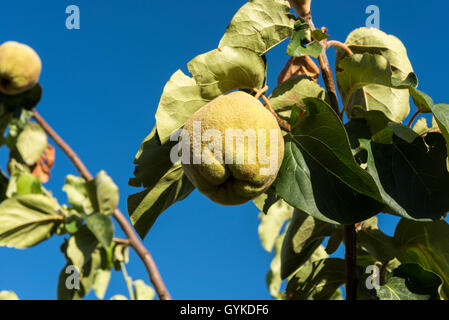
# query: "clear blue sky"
x,y
102,84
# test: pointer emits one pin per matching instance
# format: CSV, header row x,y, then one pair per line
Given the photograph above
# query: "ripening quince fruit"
x,y
236,149
20,67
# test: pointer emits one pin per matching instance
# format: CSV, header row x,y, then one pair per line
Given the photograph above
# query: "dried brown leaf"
x,y
299,66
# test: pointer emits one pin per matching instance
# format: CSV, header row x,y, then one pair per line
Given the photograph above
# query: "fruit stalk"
x,y
127,228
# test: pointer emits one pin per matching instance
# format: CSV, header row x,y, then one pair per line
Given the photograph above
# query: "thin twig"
x,y
261,92
284,125
134,240
339,44
125,242
413,118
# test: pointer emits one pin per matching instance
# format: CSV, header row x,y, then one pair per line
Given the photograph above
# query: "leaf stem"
x,y
134,240
413,118
350,237
284,125
128,281
339,44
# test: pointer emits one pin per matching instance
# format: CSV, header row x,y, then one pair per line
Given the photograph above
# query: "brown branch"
x,y
339,44
125,242
326,70
133,239
284,125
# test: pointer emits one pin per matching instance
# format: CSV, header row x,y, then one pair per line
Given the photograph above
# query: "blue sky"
x,y
102,85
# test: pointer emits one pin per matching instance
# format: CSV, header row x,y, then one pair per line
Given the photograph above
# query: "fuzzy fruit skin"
x,y
20,67
233,184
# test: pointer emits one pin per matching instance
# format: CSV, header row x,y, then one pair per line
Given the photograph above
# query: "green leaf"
x,y
421,127
307,185
28,184
98,195
27,220
180,99
80,247
164,183
31,143
259,25
318,280
322,160
272,219
273,277
101,282
301,43
8,295
225,69
411,177
107,194
422,101
368,80
291,93
379,245
396,289
142,291
377,123
441,116
79,193
146,206
101,226
424,243
418,280
304,235
82,250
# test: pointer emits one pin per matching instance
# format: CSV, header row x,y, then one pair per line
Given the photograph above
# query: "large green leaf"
x,y
304,235
180,99
411,177
164,183
27,220
307,185
319,174
31,143
394,102
368,80
396,289
146,206
425,243
290,94
259,25
225,69
318,280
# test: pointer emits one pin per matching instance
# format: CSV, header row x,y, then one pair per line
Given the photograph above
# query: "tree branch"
x,y
127,228
325,70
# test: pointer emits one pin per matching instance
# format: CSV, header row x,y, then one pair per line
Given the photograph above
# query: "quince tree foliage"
x,y
30,214
340,166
